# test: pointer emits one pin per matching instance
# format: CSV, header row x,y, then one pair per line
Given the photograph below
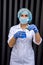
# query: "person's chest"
x,y
23,43
28,33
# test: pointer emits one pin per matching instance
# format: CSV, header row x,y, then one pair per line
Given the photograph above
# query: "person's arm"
x,y
37,37
13,35
12,42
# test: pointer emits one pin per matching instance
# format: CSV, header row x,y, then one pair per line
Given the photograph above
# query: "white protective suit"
x,y
22,52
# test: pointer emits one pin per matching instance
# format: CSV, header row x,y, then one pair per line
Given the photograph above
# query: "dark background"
x,y
8,18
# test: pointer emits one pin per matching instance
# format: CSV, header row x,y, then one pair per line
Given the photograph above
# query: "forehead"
x,y
24,13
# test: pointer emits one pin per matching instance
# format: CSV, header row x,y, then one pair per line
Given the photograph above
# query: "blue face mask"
x,y
23,20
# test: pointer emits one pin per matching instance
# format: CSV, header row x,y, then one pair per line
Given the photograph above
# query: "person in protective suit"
x,y
20,39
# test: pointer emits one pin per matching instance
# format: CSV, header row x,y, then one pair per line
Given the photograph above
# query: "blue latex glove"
x,y
32,27
20,34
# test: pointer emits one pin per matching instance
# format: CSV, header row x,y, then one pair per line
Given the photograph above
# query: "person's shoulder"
x,y
14,27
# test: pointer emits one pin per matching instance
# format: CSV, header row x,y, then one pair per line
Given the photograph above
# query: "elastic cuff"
x,y
36,31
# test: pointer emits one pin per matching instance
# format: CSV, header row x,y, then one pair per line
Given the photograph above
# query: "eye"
x,y
26,15
21,15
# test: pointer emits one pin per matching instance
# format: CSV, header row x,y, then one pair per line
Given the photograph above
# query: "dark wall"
x,y
8,18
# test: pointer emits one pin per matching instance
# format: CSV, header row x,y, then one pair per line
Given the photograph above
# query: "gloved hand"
x,y
32,27
20,34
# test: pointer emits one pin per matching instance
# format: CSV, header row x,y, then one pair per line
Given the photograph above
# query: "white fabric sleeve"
x,y
11,34
33,33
